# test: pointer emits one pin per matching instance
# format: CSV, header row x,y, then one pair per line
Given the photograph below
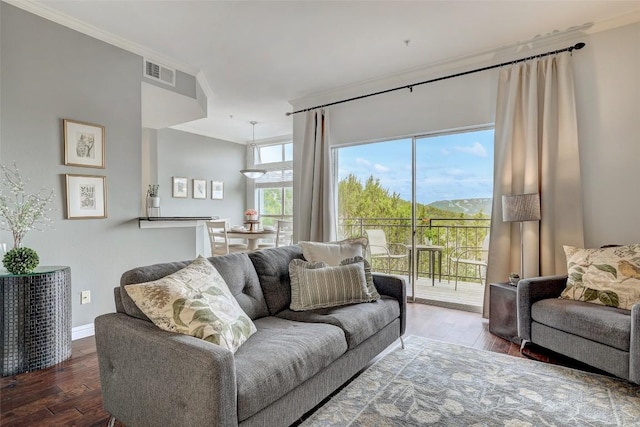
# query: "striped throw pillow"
x,y
321,286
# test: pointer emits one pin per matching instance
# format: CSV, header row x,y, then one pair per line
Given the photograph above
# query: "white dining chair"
x,y
284,233
220,244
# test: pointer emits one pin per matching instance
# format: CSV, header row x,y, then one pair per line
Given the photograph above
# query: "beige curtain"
x,y
316,196
536,151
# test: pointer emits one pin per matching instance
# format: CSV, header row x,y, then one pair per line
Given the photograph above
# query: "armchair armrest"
x,y
634,346
532,290
395,287
151,377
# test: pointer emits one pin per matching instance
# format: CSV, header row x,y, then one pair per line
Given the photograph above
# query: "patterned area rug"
x,y
431,383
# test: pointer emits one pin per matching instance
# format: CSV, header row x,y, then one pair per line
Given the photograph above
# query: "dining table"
x,y
252,236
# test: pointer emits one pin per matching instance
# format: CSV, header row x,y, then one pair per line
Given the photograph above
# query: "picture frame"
x,y
86,196
217,190
84,144
199,188
180,187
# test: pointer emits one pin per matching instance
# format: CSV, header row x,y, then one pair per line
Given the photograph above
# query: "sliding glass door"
x,y
424,203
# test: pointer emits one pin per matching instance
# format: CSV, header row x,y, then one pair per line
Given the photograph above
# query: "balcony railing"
x,y
451,233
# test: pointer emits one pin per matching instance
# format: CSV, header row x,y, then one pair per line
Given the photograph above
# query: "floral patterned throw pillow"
x,y
195,301
606,276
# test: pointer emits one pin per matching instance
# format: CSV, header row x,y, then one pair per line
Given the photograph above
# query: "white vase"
x,y
153,202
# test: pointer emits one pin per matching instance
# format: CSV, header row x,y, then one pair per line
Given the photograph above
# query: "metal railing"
x,y
450,233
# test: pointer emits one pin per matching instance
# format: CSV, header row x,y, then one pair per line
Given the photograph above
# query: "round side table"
x,y
35,319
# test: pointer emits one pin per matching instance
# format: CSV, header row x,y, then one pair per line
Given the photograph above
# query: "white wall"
x,y
608,103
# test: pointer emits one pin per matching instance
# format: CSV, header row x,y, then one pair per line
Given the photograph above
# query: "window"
x,y
274,190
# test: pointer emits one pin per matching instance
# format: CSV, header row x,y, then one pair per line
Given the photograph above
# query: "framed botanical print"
x,y
86,196
180,188
199,189
217,190
84,144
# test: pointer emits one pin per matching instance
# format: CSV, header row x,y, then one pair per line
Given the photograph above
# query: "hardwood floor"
x,y
68,394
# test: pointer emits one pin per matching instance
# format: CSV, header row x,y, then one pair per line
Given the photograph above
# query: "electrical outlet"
x,y
85,297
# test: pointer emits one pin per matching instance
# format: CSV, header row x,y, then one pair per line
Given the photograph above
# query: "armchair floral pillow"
x,y
607,276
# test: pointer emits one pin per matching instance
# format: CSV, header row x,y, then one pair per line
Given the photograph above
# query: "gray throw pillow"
x,y
371,288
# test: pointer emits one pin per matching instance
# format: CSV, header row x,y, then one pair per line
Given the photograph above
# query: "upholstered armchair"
x,y
606,338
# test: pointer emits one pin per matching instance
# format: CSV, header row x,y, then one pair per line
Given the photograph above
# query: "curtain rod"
x,y
577,46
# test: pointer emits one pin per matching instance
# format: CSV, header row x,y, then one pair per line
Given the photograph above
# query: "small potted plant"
x,y
152,195
251,215
514,278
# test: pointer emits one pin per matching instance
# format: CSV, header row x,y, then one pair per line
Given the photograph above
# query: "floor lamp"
x,y
521,208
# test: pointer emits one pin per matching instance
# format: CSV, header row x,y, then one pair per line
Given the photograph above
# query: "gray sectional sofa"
x,y
150,377
607,338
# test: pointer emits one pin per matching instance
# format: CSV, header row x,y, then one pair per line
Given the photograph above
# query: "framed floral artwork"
x,y
180,188
199,189
86,196
84,144
217,190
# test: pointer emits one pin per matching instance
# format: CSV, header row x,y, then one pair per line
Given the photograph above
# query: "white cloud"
x,y
445,152
475,149
379,168
363,162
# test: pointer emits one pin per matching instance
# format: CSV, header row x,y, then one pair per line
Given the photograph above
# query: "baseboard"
x,y
82,331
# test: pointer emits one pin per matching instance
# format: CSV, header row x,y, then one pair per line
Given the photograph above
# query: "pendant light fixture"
x,y
253,173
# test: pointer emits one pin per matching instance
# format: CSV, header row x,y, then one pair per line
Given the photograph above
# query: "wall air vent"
x,y
159,73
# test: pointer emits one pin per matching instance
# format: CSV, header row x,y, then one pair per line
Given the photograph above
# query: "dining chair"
x,y
379,247
284,233
220,244
470,255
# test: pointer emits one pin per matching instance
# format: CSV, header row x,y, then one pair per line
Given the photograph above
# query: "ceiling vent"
x,y
159,73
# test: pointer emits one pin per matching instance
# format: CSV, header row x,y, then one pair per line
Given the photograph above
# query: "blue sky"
x,y
454,166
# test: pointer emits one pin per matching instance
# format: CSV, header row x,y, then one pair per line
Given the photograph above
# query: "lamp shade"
x,y
521,207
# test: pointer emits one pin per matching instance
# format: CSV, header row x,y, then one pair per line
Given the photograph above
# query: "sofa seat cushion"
x,y
606,325
358,321
280,356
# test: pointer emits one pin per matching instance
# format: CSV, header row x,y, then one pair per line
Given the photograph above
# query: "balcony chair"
x,y
470,255
220,244
379,248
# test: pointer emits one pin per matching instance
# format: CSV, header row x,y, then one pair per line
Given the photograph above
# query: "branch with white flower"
x,y
21,212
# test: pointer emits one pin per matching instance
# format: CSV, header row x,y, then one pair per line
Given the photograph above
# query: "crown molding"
x,y
50,14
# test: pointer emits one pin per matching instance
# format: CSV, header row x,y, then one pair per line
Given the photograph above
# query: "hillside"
x,y
468,207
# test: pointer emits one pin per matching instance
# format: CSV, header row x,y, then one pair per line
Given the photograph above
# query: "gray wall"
x,y
50,72
196,156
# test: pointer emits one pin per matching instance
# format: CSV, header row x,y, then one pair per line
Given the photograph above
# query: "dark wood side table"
x,y
35,319
503,311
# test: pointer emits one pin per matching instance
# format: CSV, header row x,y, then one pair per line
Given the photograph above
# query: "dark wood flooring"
x,y
68,394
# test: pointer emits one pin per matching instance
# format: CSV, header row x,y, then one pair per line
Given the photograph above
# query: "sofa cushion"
x,y
359,321
194,301
236,269
319,285
272,269
607,276
606,325
333,253
281,356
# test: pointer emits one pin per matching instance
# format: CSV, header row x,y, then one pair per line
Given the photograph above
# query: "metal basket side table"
x,y
35,319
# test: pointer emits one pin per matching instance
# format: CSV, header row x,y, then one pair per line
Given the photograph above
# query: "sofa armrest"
x,y
395,287
634,346
151,377
532,290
